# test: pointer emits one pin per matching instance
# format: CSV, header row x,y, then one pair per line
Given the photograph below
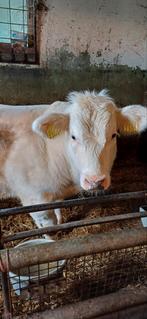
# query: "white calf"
x,y
48,152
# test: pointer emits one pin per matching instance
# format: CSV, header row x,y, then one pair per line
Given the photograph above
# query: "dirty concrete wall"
x,y
90,44
31,85
104,32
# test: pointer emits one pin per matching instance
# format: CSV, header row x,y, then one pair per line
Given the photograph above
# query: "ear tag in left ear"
x,y
53,131
130,129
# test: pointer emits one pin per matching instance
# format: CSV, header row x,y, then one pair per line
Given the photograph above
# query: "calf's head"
x,y
92,123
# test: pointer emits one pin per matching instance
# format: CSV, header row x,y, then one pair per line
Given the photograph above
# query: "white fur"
x,y
137,115
39,169
72,96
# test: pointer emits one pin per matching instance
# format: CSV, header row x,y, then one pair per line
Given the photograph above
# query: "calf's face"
x,y
92,124
92,133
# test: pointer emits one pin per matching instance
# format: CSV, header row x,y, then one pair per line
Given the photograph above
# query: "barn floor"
x,y
128,174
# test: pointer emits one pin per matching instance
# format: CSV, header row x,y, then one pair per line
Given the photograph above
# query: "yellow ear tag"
x,y
129,129
53,132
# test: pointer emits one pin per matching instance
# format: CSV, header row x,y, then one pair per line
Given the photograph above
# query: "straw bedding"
x,y
128,174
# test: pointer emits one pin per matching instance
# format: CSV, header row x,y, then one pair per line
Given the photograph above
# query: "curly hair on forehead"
x,y
73,96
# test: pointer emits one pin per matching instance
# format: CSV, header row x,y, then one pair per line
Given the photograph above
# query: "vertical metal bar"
x,y
34,30
23,24
34,26
10,22
7,313
31,23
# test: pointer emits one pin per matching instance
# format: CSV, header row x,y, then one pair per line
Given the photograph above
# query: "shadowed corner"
x,y
142,147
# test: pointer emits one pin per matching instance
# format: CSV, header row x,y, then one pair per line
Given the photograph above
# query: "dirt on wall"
x,y
35,85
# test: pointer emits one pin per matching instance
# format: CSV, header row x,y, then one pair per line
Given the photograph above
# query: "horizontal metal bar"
x,y
4,38
71,225
133,312
12,23
11,39
15,258
74,202
11,8
93,308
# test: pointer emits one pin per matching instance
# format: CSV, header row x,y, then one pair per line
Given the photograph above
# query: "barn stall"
x,y
97,265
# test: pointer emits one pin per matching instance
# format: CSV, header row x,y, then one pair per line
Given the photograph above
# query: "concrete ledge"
x,y
32,84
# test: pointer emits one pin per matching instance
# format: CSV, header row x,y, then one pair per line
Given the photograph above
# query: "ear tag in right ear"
x,y
52,131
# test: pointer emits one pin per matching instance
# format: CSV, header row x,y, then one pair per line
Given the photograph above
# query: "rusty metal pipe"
x,y
5,286
133,312
92,308
71,225
65,249
74,202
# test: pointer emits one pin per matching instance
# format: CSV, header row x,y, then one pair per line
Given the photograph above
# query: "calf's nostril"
x,y
93,178
97,179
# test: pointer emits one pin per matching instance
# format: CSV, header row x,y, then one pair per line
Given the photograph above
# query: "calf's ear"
x,y
51,125
131,119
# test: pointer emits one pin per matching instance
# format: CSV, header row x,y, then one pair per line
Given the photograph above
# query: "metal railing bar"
x,y
98,306
71,225
15,258
73,202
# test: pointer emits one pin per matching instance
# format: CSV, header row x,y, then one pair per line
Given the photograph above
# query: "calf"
x,y
50,151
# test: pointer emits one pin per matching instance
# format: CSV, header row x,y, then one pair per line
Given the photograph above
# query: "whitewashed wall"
x,y
110,31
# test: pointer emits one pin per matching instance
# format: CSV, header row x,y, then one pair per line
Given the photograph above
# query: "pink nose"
x,y
90,182
95,179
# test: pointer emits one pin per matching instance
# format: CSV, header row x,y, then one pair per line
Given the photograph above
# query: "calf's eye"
x,y
73,137
114,135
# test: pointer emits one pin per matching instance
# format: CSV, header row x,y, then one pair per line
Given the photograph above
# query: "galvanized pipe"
x,y
92,308
65,249
74,202
71,225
